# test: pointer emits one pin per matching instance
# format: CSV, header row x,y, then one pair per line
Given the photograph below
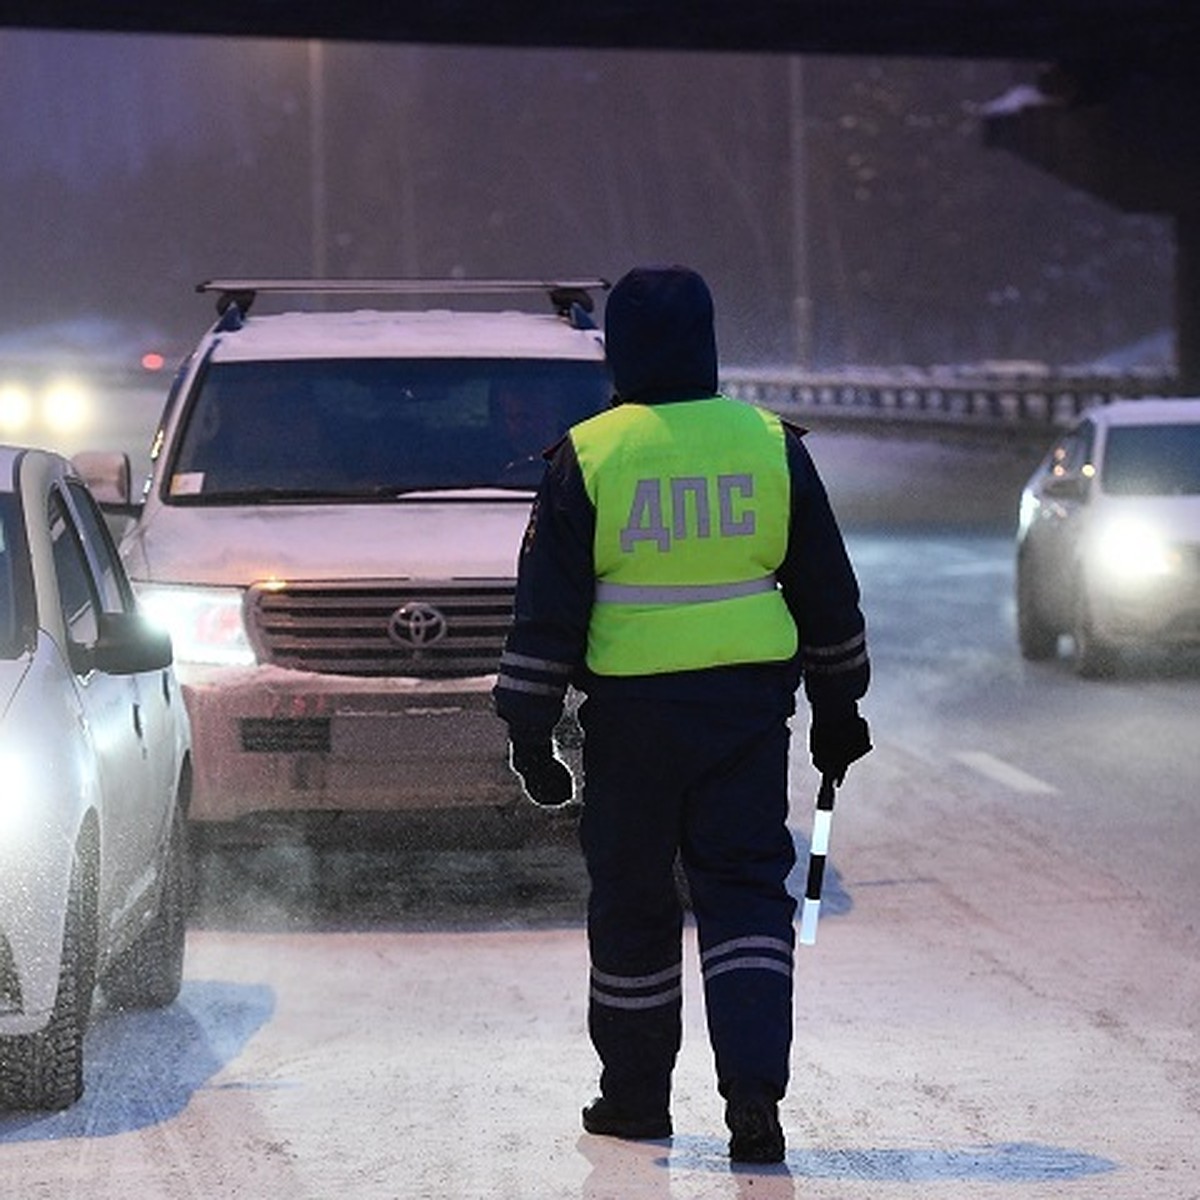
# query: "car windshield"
x,y
360,428
1152,460
10,640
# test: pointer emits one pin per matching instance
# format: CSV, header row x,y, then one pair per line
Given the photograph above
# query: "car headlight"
x,y
15,795
66,406
16,408
1133,550
206,624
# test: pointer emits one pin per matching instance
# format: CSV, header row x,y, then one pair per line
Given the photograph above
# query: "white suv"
x,y
330,532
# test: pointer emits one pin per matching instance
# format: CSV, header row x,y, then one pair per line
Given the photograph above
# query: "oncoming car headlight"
x,y
205,624
1132,550
16,407
65,406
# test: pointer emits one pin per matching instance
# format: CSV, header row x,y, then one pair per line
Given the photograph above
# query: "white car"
x,y
1108,539
331,532
94,770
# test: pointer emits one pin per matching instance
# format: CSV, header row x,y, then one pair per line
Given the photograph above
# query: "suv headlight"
x,y
1133,550
206,624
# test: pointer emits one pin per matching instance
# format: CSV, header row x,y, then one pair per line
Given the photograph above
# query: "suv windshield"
x,y
1152,460
347,429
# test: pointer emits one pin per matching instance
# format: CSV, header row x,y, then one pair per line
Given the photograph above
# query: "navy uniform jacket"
x,y
546,646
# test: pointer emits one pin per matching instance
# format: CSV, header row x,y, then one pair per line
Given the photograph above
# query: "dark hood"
x,y
659,338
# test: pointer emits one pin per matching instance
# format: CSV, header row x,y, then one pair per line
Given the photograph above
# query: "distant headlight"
x,y
16,407
205,624
66,406
1133,550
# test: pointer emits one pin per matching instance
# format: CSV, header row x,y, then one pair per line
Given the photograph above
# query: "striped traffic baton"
x,y
819,848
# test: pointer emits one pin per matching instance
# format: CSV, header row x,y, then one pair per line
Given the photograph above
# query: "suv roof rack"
x,y
566,295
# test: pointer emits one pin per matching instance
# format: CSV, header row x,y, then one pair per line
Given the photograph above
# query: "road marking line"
x,y
1005,773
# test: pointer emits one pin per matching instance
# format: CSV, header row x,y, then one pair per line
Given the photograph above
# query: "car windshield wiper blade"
x,y
465,491
381,491
251,494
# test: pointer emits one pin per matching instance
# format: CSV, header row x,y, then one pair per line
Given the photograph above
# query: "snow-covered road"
x,y
978,1013
1002,1000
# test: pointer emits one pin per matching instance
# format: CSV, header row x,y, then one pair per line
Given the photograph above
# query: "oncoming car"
x,y
331,531
1108,540
94,769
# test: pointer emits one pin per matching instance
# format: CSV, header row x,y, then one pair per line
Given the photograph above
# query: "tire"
x,y
44,1070
1094,658
149,973
1038,641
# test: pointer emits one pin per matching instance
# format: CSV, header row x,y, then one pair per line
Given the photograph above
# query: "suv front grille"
x,y
428,629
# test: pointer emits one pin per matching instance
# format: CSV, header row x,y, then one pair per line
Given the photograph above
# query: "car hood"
x,y
466,537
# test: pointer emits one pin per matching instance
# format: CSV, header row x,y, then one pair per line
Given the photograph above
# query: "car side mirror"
x,y
107,474
128,644
1067,487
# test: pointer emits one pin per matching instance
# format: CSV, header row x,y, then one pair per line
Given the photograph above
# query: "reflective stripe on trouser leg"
x,y
748,1002
628,831
635,1024
715,776
738,854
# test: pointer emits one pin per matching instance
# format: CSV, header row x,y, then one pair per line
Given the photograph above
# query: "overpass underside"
x,y
1127,135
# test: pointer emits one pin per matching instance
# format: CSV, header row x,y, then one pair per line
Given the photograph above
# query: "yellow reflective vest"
x,y
692,501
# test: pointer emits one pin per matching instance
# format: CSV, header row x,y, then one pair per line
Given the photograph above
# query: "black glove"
x,y
835,741
547,782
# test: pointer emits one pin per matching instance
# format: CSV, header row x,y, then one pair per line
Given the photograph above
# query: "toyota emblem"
x,y
416,624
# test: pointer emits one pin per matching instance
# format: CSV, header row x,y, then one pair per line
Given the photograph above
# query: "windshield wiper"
x,y
373,492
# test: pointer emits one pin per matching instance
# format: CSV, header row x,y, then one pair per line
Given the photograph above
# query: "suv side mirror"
x,y
107,474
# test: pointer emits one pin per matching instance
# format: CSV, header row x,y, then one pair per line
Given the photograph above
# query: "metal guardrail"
x,y
1018,402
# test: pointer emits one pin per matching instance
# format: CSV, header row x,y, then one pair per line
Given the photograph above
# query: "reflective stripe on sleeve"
x,y
836,651
850,664
511,659
513,684
849,655
532,675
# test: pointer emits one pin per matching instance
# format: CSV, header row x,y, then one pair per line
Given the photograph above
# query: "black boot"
x,y
753,1120
605,1118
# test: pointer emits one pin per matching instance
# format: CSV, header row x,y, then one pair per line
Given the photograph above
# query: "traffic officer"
x,y
683,569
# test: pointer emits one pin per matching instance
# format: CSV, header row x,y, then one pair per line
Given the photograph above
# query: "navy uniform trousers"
x,y
707,782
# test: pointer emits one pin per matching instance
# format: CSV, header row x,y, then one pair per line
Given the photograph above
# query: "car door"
x,y
156,692
113,712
